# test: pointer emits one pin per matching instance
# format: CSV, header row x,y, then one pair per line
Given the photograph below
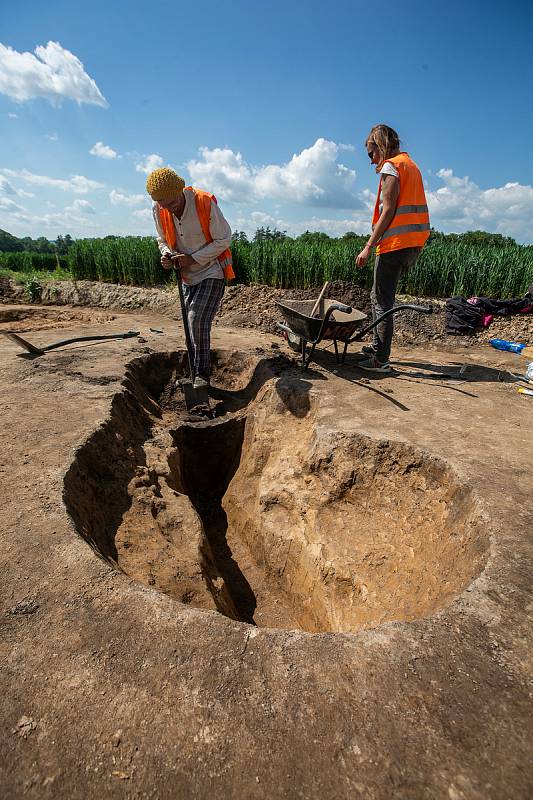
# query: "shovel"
x,y
40,351
193,397
319,300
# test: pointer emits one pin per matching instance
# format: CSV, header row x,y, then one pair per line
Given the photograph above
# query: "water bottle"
x,y
503,344
529,373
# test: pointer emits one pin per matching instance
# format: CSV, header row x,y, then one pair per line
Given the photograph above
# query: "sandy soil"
x,y
322,592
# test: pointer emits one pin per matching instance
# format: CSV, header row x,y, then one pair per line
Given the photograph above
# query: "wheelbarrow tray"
x,y
340,325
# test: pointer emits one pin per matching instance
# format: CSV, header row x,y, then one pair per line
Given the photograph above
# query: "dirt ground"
x,y
323,591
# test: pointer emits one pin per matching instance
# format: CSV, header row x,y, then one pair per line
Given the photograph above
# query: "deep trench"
x,y
336,537
202,466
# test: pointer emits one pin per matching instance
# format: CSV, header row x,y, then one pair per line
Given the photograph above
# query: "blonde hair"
x,y
385,140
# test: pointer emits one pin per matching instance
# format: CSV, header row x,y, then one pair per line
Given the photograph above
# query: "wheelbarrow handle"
x,y
340,307
395,310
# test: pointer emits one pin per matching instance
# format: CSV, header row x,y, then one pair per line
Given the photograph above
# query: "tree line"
x,y
318,237
12,244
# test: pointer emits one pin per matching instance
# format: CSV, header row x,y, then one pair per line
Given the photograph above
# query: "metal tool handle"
x,y
185,320
390,312
341,307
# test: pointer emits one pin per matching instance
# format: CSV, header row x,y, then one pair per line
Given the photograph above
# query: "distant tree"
x,y
314,236
10,243
27,243
483,238
43,245
63,244
239,236
269,233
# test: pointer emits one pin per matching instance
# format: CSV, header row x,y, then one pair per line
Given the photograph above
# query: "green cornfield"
x,y
130,260
446,268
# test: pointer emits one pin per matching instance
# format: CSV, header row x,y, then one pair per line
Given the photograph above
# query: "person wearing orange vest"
x,y
400,228
194,238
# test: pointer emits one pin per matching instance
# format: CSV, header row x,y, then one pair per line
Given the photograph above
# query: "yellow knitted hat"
x,y
164,184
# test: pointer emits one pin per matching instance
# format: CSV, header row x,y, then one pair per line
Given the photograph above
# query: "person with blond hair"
x,y
194,238
400,228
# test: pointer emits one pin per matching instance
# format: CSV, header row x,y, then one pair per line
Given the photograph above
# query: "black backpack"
x,y
461,317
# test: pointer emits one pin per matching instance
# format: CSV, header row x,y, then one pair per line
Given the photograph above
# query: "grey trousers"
x,y
388,270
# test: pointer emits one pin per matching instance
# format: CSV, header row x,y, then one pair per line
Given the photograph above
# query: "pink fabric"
x,y
486,319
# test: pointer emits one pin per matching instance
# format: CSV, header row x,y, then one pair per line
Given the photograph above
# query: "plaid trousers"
x,y
201,303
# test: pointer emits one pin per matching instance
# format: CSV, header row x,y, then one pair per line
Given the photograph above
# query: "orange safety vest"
x,y
410,225
203,202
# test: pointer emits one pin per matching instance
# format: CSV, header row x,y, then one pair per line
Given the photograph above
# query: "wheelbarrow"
x,y
334,322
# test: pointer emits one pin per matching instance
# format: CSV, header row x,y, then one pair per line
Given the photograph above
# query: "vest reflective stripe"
x,y
399,229
203,202
410,225
411,210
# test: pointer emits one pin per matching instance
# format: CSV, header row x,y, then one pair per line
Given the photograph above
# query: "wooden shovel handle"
x,y
320,296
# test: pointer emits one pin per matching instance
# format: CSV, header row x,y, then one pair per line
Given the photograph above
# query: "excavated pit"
x,y
262,516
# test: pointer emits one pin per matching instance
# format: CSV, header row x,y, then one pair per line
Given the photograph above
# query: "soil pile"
x,y
254,307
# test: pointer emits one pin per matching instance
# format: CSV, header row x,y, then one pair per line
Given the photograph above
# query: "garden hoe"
x,y
196,400
40,351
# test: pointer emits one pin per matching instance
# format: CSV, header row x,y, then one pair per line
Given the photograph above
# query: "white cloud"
x,y
223,172
77,184
119,199
144,213
102,150
24,223
457,206
6,187
52,73
80,207
9,205
11,115
312,177
151,162
460,205
52,137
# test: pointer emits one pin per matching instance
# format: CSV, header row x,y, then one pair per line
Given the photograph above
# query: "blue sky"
x,y
266,106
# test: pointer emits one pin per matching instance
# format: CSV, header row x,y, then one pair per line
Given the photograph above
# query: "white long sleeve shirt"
x,y
190,240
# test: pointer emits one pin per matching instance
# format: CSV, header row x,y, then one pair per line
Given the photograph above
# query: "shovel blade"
x,y
28,346
194,397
